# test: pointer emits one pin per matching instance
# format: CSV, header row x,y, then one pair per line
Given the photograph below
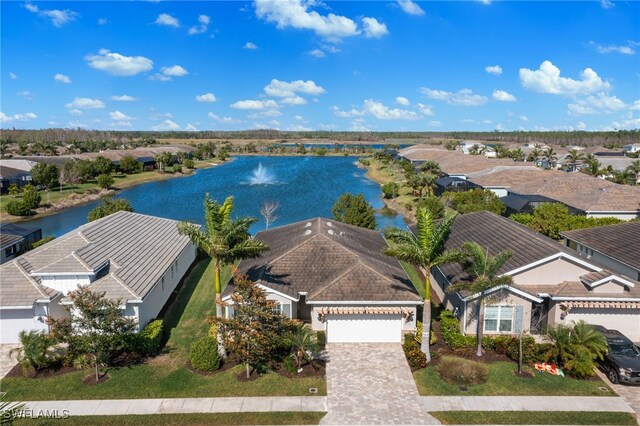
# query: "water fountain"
x,y
261,176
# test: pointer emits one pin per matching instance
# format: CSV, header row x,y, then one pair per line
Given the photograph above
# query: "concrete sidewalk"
x,y
525,403
110,407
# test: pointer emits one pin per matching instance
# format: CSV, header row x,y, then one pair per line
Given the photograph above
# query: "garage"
x,y
626,321
364,328
13,321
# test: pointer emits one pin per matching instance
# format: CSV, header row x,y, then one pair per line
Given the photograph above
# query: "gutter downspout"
x,y
464,319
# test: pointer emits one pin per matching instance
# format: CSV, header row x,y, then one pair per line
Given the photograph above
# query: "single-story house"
x,y
631,148
453,184
15,172
526,203
335,277
552,283
134,258
467,147
16,238
615,246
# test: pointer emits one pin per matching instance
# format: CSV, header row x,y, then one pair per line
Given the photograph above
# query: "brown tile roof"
x,y
620,241
454,162
330,261
137,249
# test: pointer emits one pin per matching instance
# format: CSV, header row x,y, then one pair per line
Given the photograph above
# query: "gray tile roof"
x,y
137,250
620,241
329,260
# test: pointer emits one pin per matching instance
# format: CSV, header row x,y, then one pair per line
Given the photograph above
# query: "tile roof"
x,y
330,261
9,240
138,250
620,241
14,229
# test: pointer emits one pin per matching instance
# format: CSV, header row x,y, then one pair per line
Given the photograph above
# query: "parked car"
x,y
622,361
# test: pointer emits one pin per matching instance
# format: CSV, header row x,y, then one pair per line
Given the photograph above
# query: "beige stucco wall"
x,y
627,321
408,324
469,320
553,272
610,288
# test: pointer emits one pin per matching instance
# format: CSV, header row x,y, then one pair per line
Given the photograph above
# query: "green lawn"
x,y
415,277
502,381
275,418
533,418
166,376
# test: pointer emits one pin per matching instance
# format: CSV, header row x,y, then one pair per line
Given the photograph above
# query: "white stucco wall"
x,y
65,283
12,321
160,293
618,215
287,306
553,272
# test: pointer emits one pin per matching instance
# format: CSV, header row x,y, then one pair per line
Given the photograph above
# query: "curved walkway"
x,y
371,383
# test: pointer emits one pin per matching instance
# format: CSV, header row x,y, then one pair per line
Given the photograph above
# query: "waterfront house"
x,y
16,238
134,258
15,172
631,148
552,283
335,277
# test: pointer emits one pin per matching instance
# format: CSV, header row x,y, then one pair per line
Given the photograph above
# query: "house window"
x,y
277,309
498,318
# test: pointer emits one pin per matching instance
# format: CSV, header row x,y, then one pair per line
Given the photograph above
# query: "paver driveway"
x,y
630,393
371,383
6,362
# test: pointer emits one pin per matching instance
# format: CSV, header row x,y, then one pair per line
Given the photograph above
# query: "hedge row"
x,y
150,338
506,345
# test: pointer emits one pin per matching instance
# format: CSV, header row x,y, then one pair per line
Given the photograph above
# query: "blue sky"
x,y
307,64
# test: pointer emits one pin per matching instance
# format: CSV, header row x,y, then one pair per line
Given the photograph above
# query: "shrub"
x,y
364,162
450,327
289,365
390,190
204,355
150,338
416,358
189,164
177,168
13,189
432,336
321,338
35,351
17,208
458,371
42,241
31,197
105,181
213,330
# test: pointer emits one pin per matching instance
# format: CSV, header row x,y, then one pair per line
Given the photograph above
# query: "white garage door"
x,y
626,321
12,321
364,328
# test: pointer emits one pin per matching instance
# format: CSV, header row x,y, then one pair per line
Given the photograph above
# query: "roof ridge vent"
x,y
307,232
308,224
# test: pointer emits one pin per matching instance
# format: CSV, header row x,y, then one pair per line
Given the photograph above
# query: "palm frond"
x,y
399,236
410,253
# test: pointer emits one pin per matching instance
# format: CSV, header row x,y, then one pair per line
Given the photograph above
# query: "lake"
x,y
305,187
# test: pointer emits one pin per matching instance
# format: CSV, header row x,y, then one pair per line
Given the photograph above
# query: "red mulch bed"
x,y
317,368
440,348
90,380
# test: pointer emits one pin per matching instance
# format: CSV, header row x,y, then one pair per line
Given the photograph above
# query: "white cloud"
x,y
122,123
25,94
52,123
345,114
373,28
499,127
425,109
401,100
207,97
434,123
166,125
547,79
202,27
635,106
75,112
13,76
299,117
383,112
123,98
298,128
58,17
464,97
160,115
295,14
598,104
487,121
61,78
191,128
168,20
295,100
283,89
410,7
85,103
17,117
174,71
119,116
254,104
103,21
117,64
581,125
502,96
265,113
607,4
624,50
250,45
76,125
317,53
494,69
225,120
327,126
523,118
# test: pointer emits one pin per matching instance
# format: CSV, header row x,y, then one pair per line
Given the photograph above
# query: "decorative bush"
x,y
35,352
150,338
177,168
289,365
416,358
105,181
31,197
390,190
459,371
213,330
204,354
450,327
364,162
17,208
432,336
321,338
189,164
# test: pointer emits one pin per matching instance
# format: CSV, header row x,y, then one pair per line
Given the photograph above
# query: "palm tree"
x,y
550,155
634,170
535,154
302,343
426,250
483,273
225,240
560,336
593,165
574,158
